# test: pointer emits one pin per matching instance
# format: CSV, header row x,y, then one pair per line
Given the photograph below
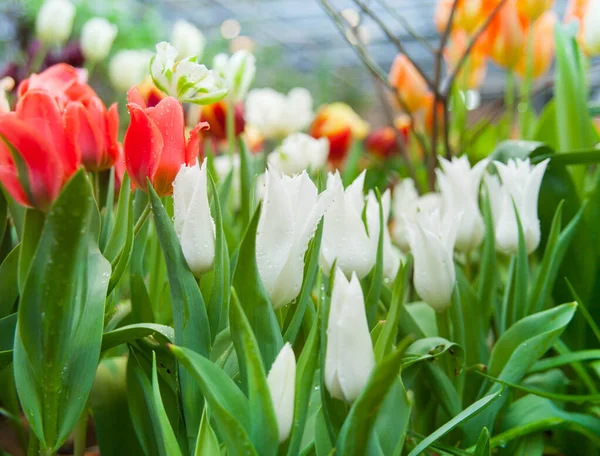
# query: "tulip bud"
x,y
187,39
391,257
345,237
194,225
459,185
299,152
591,28
533,9
54,22
520,189
340,124
290,215
543,46
277,115
97,36
282,386
406,205
506,35
471,75
238,70
216,116
411,86
431,242
128,68
185,80
382,142
349,356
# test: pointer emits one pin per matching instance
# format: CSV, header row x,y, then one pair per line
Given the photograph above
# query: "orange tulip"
x,y
576,10
442,14
473,72
216,116
382,142
411,86
533,9
429,115
506,36
150,93
543,46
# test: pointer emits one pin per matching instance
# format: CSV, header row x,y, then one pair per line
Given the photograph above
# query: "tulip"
x,y
431,242
520,189
152,95
6,85
185,80
37,155
187,39
97,36
591,28
391,257
459,185
345,237
340,125
128,68
282,386
62,81
290,215
238,70
194,225
406,205
441,14
412,88
216,116
299,152
349,356
97,132
533,9
54,22
506,37
155,145
543,46
472,75
382,142
277,115
470,14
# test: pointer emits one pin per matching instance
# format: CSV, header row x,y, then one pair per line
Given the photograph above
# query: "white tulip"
x,y
97,36
520,188
406,205
277,115
238,70
591,28
391,256
54,22
290,214
194,225
345,236
299,152
432,242
185,80
128,67
349,356
459,186
187,39
282,386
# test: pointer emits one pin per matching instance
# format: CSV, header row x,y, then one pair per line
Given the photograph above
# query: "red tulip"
x,y
155,145
216,116
35,133
382,142
96,132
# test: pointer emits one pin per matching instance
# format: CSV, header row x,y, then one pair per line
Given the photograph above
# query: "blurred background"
x,y
295,42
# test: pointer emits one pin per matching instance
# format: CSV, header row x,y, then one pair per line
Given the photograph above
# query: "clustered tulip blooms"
x,y
298,152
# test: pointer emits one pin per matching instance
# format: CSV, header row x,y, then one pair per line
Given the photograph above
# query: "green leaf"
x,y
483,444
136,331
229,407
61,314
563,360
121,261
9,285
164,432
16,212
263,426
246,178
189,313
119,232
462,417
8,326
359,423
32,230
207,442
518,305
253,297
377,275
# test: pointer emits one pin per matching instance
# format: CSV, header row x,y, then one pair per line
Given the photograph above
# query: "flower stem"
x,y
38,59
80,434
230,127
140,222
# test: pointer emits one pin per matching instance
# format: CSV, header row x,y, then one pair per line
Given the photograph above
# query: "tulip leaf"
x,y
246,178
263,426
517,349
305,373
106,210
118,236
472,410
136,331
518,305
121,261
9,285
207,442
311,270
61,314
253,297
218,303
189,312
377,275
229,407
357,427
32,230
487,275
165,436
8,326
483,444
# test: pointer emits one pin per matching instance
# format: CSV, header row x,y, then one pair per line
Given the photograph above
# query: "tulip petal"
x,y
135,96
334,348
89,139
282,385
9,177
194,143
111,139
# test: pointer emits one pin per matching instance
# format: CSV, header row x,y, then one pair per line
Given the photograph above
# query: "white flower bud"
x,y
97,37
187,39
54,22
591,28
299,152
391,256
128,67
238,70
282,386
